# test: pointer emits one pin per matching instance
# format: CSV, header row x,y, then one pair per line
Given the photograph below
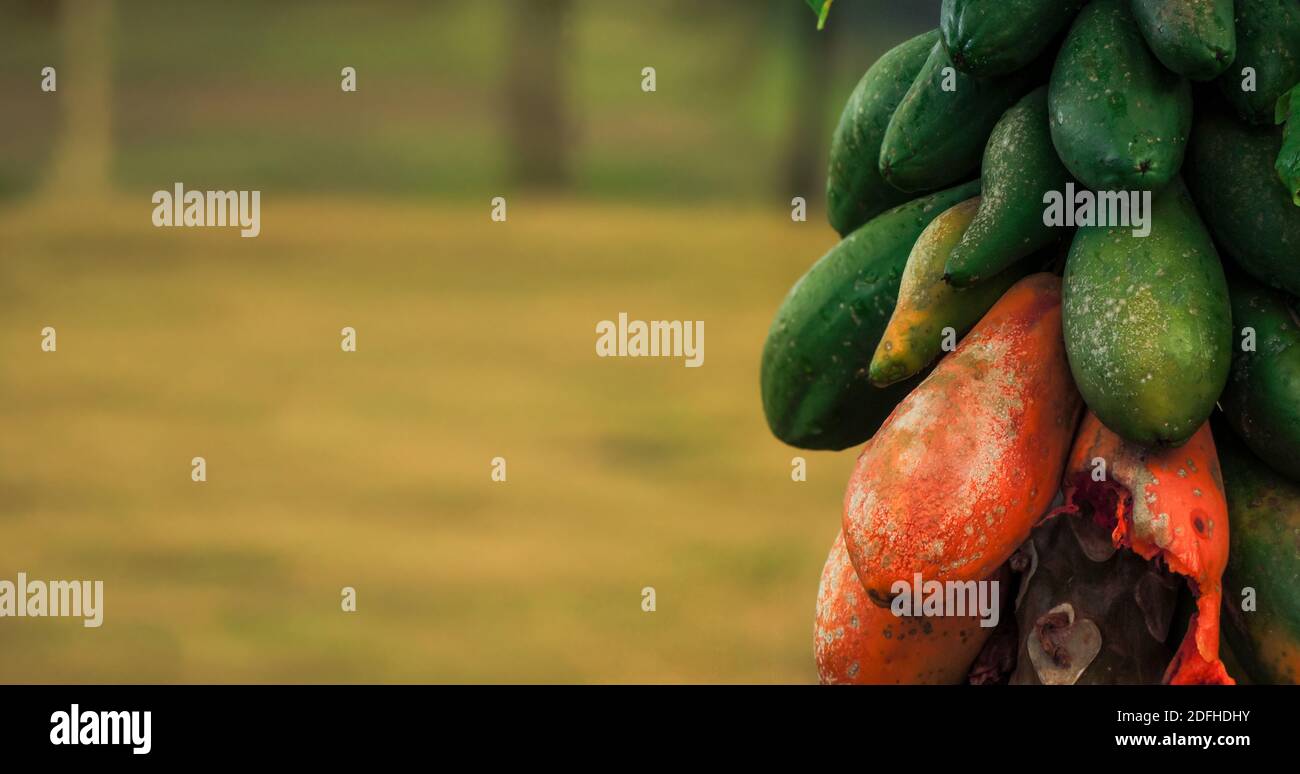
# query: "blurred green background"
x,y
475,339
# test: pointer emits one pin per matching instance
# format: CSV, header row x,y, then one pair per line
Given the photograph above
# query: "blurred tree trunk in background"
x,y
813,54
537,129
83,151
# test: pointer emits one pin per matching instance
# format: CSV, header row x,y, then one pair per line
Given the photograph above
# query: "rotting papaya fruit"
x,y
813,375
995,37
1166,503
1091,615
1195,38
1020,167
1261,601
1119,119
1148,322
954,480
1268,58
857,642
855,190
937,135
927,305
1230,172
1262,399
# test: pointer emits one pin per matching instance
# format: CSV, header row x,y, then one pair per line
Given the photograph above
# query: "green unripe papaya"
x,y
855,190
1262,399
1020,166
1268,43
1147,323
1195,38
1230,173
816,394
1119,119
996,37
1264,557
937,134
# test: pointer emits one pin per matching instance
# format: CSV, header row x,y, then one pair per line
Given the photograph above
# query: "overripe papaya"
x,y
927,305
1148,323
937,134
855,190
1020,167
1090,616
814,384
1119,119
857,642
995,37
957,476
1262,399
1230,173
1195,38
1262,624
1268,58
1166,503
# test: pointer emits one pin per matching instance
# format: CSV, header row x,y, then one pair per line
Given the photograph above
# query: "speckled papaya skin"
x,y
1262,399
1230,173
1265,557
1020,166
856,642
1195,38
936,137
1166,503
1119,119
927,305
1268,40
1148,325
965,466
995,37
855,191
813,375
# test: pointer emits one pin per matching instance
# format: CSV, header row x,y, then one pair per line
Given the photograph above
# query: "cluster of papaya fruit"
x,y
1074,406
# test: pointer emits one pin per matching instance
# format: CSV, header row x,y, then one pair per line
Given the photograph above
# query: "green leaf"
x,y
821,8
1288,159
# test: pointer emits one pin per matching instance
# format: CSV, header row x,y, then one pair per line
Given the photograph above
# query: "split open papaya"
x,y
955,479
1165,503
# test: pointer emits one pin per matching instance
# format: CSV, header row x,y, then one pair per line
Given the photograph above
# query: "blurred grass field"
x,y
476,340
371,469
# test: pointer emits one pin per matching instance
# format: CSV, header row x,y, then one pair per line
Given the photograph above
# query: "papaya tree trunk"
x,y
83,151
803,168
537,129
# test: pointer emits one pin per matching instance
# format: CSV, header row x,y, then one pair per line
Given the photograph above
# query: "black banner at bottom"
x,y
213,724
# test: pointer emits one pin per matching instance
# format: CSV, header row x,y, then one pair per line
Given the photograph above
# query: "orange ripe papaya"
x,y
962,470
1167,503
856,642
